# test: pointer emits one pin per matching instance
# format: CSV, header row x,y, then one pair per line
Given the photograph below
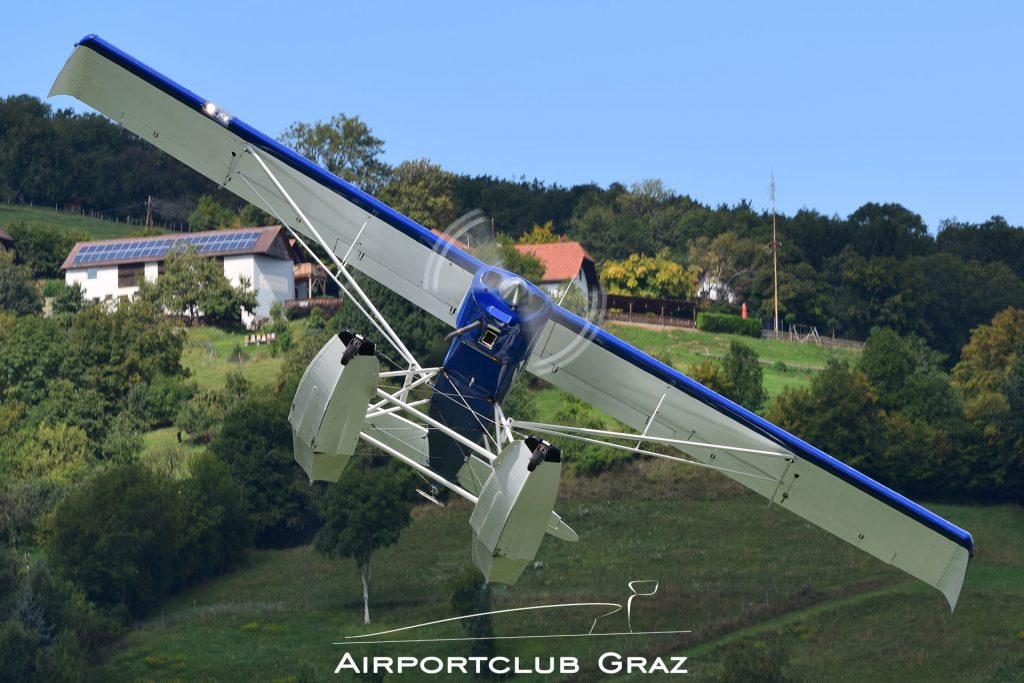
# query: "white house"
x,y
109,269
565,264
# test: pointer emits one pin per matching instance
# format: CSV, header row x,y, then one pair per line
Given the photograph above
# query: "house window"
x,y
91,273
128,275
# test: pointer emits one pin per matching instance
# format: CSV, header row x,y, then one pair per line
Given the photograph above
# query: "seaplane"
x,y
447,422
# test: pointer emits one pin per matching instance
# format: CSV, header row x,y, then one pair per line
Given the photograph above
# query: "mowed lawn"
x,y
727,568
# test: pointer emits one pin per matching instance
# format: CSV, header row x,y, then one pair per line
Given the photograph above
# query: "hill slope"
x,y
96,228
726,568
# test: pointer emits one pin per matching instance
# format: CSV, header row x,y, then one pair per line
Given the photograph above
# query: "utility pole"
x,y
149,211
775,255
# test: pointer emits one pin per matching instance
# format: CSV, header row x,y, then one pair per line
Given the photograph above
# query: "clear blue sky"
x,y
916,103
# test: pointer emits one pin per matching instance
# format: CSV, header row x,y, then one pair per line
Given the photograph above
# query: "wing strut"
x,y
376,318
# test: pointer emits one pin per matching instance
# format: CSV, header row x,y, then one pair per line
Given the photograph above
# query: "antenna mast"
x,y
775,255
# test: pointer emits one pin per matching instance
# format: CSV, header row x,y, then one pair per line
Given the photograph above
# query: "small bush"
x,y
729,324
53,287
592,460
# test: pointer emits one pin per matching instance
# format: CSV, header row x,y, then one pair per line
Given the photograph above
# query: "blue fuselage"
x,y
504,314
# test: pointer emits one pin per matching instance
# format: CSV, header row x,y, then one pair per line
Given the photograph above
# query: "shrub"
x,y
728,324
119,535
53,287
164,397
255,441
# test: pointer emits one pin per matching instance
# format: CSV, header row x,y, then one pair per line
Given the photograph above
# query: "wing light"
x,y
216,113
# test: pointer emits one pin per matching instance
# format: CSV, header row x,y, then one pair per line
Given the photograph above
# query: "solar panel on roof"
x,y
149,249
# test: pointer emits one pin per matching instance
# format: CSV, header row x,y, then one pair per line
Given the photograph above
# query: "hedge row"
x,y
729,324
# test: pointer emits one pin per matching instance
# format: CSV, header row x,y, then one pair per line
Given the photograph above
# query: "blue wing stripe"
x,y
763,427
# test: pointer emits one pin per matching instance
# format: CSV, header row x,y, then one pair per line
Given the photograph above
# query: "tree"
x,y
70,299
42,248
18,293
255,441
657,277
119,536
209,215
194,286
588,459
364,512
710,374
112,350
58,453
739,377
992,241
422,191
201,415
502,253
724,263
345,146
218,527
10,580
990,377
18,651
34,353
745,376
541,234
908,377
839,414
888,230
986,360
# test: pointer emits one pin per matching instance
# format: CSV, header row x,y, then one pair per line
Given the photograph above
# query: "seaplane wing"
x,y
661,403
369,235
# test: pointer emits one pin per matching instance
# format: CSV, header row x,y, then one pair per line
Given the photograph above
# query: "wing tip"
x,y
952,581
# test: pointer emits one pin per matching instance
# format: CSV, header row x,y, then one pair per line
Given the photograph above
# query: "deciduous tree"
x,y
195,287
422,191
118,536
655,277
18,293
364,512
345,146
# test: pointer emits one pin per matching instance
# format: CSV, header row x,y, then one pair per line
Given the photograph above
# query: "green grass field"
x,y
684,348
728,570
210,354
98,229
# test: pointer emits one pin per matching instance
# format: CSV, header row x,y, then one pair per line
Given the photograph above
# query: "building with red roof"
x,y
565,263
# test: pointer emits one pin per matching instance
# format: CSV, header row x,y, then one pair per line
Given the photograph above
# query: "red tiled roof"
x,y
562,260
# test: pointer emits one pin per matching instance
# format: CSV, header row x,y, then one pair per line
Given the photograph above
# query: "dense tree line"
x,y
50,157
877,267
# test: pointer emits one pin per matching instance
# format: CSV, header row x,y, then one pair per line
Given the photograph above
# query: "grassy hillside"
x,y
728,570
786,364
211,353
98,229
